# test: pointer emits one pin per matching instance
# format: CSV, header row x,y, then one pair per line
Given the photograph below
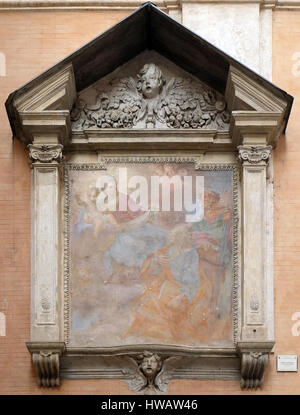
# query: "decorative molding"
x,y
66,258
162,349
84,4
264,4
44,109
148,159
243,93
167,5
57,92
148,101
254,154
145,139
48,125
45,358
199,165
255,110
123,363
45,153
255,128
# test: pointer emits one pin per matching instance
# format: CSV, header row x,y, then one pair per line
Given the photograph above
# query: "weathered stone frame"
x,y
256,123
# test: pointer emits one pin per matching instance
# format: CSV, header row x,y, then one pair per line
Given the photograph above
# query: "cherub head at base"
x,y
150,365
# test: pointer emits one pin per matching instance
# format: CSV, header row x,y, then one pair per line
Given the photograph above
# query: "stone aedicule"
x,y
150,105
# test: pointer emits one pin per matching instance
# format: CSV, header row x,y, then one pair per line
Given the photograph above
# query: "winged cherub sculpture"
x,y
151,102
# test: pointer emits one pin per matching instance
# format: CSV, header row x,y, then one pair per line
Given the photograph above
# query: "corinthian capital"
x,y
254,154
45,153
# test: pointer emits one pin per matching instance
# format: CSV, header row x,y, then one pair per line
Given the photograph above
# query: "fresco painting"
x,y
150,277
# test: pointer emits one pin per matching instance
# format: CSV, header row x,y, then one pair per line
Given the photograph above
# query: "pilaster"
x,y
45,313
254,133
254,162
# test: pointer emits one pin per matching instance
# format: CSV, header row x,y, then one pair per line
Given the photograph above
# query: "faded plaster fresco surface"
x,y
141,277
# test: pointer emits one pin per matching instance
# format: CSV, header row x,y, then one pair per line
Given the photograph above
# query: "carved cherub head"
x,y
150,364
150,81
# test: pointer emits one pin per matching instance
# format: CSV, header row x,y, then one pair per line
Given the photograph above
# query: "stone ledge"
x,y
83,4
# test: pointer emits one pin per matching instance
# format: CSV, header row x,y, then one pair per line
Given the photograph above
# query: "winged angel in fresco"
x,y
150,102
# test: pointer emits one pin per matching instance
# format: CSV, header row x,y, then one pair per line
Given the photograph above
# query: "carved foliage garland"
x,y
149,102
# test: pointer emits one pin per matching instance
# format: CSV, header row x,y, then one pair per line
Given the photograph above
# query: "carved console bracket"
x,y
45,358
254,360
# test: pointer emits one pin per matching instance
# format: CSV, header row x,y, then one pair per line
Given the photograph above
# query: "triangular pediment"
x,y
192,69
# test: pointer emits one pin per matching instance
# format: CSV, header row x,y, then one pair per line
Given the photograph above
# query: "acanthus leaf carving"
x,y
254,154
253,365
149,101
45,153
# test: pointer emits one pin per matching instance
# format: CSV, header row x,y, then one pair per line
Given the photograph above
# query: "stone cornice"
x,y
264,4
250,127
166,5
46,123
83,4
57,92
